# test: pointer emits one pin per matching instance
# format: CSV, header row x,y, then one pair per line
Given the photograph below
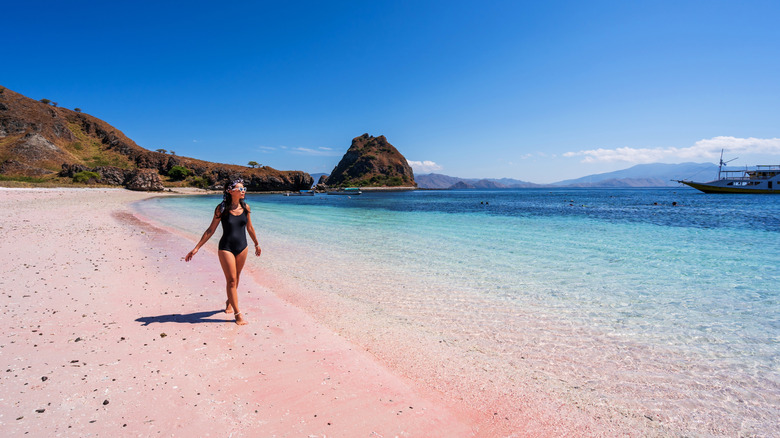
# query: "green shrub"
x,y
45,101
395,181
86,177
178,173
27,179
199,181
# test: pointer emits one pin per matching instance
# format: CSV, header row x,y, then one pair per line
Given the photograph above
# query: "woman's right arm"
x,y
206,234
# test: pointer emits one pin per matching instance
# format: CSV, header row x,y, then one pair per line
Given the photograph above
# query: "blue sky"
x,y
532,90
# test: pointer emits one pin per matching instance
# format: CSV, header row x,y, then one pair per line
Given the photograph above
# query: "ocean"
x,y
651,307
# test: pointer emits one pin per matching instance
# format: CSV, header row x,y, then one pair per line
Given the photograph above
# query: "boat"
x,y
756,179
300,193
346,191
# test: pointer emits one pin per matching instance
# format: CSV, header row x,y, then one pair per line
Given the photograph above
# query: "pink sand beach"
x,y
106,331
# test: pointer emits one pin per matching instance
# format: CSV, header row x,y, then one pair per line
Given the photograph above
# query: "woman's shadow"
x,y
184,318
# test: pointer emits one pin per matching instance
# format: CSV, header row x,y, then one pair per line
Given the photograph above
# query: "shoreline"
x,y
531,402
108,331
539,367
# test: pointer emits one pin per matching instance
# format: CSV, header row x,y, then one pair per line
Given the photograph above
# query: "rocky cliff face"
x,y
372,162
37,139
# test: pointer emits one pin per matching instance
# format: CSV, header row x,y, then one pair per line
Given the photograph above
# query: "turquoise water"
x,y
663,307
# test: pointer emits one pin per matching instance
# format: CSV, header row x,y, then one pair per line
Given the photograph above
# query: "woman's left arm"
x,y
251,230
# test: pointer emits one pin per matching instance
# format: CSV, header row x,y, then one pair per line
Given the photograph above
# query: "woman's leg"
x,y
228,263
240,261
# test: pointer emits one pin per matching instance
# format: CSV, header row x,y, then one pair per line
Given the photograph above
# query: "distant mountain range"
x,y
641,175
438,181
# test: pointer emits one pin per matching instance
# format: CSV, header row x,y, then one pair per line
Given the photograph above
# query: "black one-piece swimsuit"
x,y
233,233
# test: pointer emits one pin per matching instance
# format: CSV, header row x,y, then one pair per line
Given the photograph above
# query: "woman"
x,y
233,212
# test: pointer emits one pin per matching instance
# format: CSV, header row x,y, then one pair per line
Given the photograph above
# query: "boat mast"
x,y
723,163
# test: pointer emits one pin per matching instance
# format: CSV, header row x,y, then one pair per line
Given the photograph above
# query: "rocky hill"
x,y
371,162
42,141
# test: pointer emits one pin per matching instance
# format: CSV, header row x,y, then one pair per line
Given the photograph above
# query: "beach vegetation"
x,y
253,164
86,177
178,173
45,101
78,110
26,179
162,151
199,182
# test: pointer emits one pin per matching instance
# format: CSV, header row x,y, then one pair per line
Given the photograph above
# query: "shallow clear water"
x,y
655,300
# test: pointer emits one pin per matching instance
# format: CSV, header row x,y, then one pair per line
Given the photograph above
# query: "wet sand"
x,y
107,332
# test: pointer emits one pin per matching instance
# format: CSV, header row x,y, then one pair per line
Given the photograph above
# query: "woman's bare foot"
x,y
228,307
240,319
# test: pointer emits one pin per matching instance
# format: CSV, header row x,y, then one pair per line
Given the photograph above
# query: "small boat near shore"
x,y
346,191
300,193
756,179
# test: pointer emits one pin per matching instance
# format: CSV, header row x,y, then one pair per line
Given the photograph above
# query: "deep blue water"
x,y
651,206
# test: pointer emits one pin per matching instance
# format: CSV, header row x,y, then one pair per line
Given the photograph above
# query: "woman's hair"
x,y
226,197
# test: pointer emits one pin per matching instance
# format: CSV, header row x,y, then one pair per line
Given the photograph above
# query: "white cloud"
x,y
424,166
706,148
325,152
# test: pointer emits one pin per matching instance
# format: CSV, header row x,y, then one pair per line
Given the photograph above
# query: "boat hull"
x,y
712,188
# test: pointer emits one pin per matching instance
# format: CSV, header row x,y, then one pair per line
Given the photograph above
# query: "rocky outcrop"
x,y
372,162
37,149
144,180
137,179
12,167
